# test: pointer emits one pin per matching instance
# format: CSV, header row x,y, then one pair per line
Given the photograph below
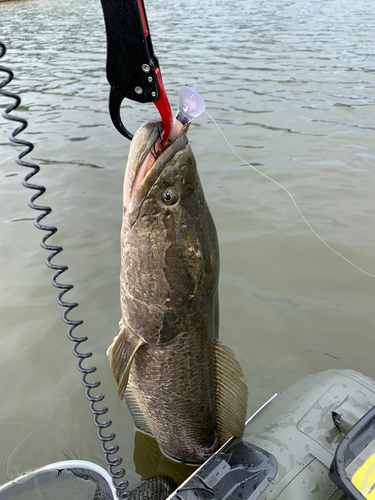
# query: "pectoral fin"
x,y
121,354
231,393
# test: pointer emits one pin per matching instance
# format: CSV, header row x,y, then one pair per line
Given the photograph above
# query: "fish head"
x,y
170,254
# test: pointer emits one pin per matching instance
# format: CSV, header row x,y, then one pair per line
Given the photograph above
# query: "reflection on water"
x,y
291,83
150,462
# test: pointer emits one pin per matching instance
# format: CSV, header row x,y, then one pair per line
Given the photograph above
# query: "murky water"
x,y
292,84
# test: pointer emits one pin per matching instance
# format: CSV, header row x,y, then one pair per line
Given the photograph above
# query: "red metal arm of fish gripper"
x,y
164,108
161,102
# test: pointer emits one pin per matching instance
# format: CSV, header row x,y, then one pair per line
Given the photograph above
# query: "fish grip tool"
x,y
133,70
114,462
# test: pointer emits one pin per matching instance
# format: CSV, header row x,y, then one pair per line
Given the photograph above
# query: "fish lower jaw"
x,y
156,154
155,151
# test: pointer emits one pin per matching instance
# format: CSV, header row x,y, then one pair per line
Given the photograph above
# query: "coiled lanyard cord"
x,y
54,250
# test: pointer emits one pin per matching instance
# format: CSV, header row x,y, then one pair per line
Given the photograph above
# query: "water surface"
x,y
292,85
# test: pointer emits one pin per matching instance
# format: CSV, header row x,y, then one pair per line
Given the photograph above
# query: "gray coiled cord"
x,y
59,269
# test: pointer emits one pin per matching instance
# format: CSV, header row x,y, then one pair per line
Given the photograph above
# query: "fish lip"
x,y
131,200
133,171
140,147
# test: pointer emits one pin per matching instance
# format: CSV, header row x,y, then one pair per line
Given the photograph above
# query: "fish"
x,y
182,385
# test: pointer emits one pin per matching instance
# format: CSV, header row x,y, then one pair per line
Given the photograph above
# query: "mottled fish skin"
x,y
168,343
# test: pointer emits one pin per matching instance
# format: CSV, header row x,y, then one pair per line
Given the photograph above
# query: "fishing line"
x,y
293,200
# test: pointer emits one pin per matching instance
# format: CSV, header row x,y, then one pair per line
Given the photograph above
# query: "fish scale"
x,y
169,388
181,384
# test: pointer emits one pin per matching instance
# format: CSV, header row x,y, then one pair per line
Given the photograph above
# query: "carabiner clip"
x,y
132,68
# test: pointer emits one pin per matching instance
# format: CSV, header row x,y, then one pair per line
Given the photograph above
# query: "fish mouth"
x,y
148,154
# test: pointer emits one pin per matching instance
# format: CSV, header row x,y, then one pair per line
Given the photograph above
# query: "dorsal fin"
x,y
121,354
231,393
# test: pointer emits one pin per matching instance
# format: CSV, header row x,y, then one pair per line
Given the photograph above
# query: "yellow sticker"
x,y
364,478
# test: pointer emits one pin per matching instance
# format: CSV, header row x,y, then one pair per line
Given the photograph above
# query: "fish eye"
x,y
170,196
